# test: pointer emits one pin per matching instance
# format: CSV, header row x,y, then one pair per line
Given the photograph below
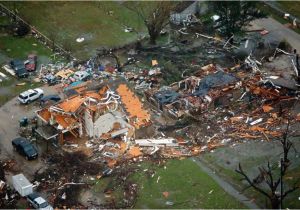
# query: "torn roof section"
x,y
137,115
71,105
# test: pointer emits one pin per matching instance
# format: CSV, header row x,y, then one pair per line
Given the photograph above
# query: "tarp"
x,y
166,96
74,84
218,79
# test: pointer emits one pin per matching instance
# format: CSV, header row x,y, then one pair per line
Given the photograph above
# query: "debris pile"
x,y
8,198
65,177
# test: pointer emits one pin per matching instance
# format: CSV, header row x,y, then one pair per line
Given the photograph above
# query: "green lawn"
x,y
188,187
292,7
12,47
9,89
224,162
67,21
16,47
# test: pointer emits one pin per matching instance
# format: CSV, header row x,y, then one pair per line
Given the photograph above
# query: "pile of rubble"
x,y
241,102
227,105
8,198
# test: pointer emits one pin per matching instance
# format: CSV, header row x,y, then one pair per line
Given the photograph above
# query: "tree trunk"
x,y
153,35
152,40
275,202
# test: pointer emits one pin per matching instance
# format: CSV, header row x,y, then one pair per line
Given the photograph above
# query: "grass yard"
x,y
186,184
188,187
16,47
292,7
225,160
99,23
9,88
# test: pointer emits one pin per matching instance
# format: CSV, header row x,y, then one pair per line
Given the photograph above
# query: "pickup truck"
x,y
31,63
38,202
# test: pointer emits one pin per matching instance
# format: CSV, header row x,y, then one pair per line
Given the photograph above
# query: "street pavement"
x,y
277,31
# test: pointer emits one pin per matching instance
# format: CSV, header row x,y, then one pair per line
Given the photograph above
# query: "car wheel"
x,y
15,148
41,95
27,158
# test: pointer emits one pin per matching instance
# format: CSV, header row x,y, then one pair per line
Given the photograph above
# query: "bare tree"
x,y
155,15
275,193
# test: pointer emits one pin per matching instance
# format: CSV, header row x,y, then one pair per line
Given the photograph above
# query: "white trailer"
x,y
22,185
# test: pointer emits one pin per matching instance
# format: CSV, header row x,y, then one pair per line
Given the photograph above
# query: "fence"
x,y
37,34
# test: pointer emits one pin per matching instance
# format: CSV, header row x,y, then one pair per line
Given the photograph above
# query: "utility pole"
x,y
281,181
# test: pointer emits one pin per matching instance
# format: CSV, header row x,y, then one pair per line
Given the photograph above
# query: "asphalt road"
x,y
10,114
277,31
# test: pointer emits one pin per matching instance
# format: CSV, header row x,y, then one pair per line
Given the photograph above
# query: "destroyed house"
x,y
185,13
96,114
194,92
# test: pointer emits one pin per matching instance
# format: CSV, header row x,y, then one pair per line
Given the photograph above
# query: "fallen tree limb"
x,y
70,183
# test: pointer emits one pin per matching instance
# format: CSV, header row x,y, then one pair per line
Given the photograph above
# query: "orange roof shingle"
x,y
133,106
71,104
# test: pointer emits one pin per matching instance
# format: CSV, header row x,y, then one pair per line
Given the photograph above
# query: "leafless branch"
x,y
240,171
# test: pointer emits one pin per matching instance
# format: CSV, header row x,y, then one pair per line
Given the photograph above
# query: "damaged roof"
x,y
133,106
71,104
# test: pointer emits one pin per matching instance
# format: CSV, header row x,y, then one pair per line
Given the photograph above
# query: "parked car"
x,y
54,98
16,62
49,98
31,62
81,75
30,95
19,68
25,148
21,72
38,202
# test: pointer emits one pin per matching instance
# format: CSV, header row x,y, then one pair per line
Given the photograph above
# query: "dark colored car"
x,y
25,148
16,62
19,68
21,72
50,99
54,98
31,63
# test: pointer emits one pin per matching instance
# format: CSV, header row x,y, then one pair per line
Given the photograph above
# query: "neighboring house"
x,y
188,15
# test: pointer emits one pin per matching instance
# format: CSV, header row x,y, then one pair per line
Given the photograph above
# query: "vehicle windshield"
x,y
22,97
29,148
44,205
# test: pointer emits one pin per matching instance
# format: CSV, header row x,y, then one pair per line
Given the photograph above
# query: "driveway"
x,y
278,31
10,114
